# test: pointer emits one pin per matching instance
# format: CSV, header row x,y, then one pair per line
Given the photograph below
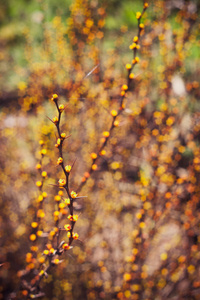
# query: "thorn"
x,y
61,242
65,106
73,163
67,136
54,184
50,119
88,74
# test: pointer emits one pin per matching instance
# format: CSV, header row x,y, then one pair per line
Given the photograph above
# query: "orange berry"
x,y
93,155
75,236
61,205
56,213
34,224
25,293
51,250
94,167
57,198
56,261
87,174
106,133
32,237
39,233
127,276
38,166
124,87
103,152
116,123
66,246
40,213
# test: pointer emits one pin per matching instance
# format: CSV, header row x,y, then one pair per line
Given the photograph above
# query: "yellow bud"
x,y
113,113
128,66
54,97
68,168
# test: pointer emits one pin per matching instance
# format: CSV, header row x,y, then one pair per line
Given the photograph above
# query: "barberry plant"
x,y
55,247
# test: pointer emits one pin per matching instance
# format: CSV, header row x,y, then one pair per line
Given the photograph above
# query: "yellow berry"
x,y
137,59
44,151
138,15
44,174
39,183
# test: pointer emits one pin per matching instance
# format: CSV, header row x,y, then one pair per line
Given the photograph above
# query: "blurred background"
x,y
139,234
